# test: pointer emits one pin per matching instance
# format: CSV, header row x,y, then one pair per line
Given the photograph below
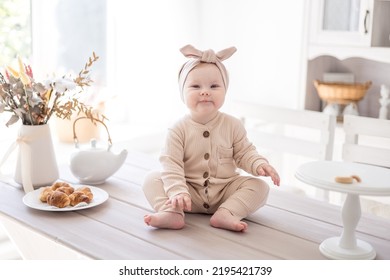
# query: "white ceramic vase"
x,y
36,162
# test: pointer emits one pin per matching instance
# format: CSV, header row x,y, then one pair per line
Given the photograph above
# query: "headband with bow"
x,y
208,56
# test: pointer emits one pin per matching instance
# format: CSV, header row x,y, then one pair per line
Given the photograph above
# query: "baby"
x,y
202,153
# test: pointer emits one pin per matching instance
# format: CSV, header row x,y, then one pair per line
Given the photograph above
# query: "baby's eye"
x,y
214,86
194,86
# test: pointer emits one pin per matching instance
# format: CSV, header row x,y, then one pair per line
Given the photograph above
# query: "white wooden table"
x,y
288,227
375,181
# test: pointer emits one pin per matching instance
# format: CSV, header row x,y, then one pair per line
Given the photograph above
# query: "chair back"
x,y
300,132
367,140
288,138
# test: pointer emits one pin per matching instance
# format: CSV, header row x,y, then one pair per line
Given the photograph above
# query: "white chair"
x,y
288,138
367,140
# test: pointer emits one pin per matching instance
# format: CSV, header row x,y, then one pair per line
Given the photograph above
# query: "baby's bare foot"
x,y
224,219
169,220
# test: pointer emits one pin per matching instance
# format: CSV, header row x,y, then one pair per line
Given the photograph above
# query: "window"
x,y
15,40
15,30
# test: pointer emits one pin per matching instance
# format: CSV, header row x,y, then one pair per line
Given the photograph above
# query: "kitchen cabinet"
x,y
347,36
350,22
349,28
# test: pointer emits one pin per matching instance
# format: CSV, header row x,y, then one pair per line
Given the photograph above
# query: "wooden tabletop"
x,y
289,227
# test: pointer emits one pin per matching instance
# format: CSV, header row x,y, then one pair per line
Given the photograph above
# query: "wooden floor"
x,y
290,226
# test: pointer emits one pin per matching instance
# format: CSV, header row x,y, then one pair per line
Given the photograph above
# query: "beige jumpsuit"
x,y
202,160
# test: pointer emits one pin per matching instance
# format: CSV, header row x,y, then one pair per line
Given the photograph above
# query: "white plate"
x,y
32,200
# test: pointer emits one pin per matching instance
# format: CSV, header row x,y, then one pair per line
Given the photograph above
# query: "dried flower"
x,y
35,102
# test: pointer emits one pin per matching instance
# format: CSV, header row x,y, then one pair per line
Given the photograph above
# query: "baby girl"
x,y
203,152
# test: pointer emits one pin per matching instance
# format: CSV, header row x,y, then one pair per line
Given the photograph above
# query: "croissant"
x,y
57,185
58,199
44,193
78,197
87,191
66,189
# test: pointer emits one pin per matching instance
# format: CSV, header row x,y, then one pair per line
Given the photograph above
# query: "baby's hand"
x,y
181,201
267,170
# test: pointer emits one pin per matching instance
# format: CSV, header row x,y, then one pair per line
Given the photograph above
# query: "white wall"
x,y
268,35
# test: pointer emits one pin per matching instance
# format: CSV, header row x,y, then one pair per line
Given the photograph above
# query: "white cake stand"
x,y
375,181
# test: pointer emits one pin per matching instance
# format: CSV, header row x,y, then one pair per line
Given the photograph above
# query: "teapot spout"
x,y
122,157
117,160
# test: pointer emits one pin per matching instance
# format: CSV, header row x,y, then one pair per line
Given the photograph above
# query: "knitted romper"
x,y
202,160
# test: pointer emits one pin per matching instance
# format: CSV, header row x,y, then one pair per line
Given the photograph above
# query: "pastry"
x,y
347,180
87,191
66,189
58,199
78,197
57,185
62,194
44,193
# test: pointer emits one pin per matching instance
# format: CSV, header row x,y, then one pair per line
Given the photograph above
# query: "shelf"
x,y
371,53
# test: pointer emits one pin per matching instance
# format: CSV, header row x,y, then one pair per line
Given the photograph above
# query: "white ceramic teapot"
x,y
94,165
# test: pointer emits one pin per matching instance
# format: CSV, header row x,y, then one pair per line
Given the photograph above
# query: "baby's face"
x,y
204,91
